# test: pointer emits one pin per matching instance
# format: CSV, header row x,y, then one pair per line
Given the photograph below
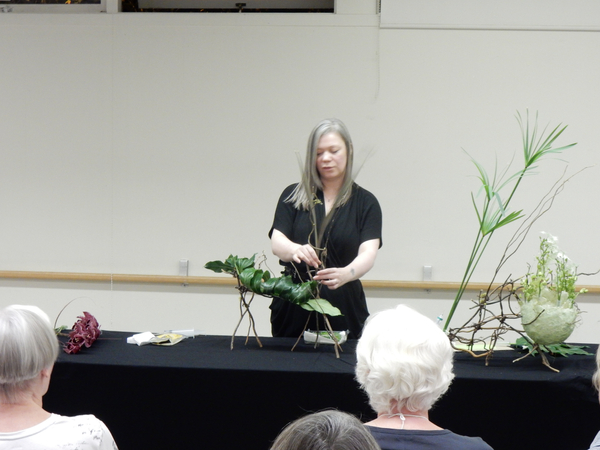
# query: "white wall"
x,y
130,141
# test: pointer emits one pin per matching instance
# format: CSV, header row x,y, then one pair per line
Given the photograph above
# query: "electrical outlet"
x,y
183,267
427,273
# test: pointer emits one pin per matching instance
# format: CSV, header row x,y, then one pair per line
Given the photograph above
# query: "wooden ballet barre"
x,y
230,281
114,277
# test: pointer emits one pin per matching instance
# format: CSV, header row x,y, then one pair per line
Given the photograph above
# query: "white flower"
x,y
549,237
548,309
552,243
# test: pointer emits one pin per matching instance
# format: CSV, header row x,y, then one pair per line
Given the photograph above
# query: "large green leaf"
x,y
303,292
268,287
219,267
246,276
231,264
322,306
257,281
242,264
283,286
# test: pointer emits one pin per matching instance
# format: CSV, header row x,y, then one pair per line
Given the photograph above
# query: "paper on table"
x,y
168,339
147,337
141,338
186,333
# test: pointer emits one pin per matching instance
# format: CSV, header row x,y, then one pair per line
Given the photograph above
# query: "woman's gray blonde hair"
x,y
28,344
403,360
326,430
303,194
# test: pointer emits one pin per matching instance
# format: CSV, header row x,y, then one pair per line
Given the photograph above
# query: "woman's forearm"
x,y
365,260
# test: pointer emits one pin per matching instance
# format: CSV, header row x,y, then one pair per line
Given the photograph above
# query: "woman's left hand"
x,y
334,277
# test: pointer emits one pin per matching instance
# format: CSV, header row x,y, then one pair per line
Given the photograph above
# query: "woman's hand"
x,y
288,251
306,253
335,277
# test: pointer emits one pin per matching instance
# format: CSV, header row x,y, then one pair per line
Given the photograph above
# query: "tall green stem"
x,y
490,220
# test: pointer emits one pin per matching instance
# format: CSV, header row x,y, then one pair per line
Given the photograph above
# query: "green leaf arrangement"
x,y
261,282
553,349
492,213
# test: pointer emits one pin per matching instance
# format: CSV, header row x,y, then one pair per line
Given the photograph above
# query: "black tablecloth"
x,y
201,394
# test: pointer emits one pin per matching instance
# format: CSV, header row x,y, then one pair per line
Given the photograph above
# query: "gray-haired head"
x,y
28,345
311,181
403,360
326,430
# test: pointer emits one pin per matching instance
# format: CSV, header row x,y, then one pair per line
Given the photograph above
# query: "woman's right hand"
x,y
306,253
288,251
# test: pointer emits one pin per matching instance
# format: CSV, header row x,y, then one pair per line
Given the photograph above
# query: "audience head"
x,y
596,377
403,360
326,430
28,345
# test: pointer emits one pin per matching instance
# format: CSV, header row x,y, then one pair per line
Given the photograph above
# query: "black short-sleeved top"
x,y
357,221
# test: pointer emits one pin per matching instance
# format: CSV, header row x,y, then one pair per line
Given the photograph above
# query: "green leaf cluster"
x,y
261,282
554,349
566,277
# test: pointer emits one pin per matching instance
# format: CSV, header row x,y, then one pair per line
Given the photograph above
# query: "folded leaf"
x,y
322,306
219,266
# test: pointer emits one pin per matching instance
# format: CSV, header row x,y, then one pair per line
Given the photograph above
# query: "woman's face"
x,y
332,156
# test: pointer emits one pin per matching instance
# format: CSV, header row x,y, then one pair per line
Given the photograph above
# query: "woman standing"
x,y
329,228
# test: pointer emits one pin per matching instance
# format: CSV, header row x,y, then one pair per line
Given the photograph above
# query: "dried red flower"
x,y
85,331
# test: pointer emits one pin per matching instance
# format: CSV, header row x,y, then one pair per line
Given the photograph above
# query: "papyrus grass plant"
x,y
493,210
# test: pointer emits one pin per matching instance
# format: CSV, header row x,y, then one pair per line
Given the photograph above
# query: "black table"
x,y
201,394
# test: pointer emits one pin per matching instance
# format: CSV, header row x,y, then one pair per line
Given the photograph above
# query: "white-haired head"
x,y
403,360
